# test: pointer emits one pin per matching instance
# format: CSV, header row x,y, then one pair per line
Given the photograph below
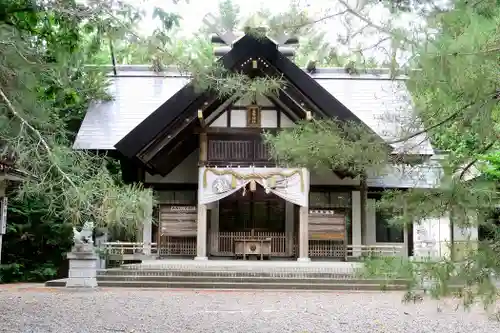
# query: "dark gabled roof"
x,y
187,100
381,103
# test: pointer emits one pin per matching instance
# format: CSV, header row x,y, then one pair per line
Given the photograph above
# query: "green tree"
x,y
453,78
452,62
45,89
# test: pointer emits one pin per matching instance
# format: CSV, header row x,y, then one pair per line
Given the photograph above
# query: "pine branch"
x,y
440,123
475,160
37,133
370,23
321,19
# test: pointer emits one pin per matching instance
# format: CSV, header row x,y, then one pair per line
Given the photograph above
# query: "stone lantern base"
x,y
82,266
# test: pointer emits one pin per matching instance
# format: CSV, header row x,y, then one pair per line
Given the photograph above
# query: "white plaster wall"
x,y
434,232
269,118
221,121
464,234
238,118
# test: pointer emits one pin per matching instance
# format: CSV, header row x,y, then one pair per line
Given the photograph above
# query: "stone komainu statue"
x,y
84,236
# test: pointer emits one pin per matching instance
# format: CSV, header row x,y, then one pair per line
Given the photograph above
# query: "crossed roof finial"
x,y
229,37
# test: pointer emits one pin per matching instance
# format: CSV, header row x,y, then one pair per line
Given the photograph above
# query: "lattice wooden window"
x,y
321,199
187,197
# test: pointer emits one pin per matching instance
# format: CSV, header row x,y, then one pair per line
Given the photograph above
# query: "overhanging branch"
x,y
37,133
439,123
475,160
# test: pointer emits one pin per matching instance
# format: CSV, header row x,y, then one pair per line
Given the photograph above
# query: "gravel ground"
x,y
45,310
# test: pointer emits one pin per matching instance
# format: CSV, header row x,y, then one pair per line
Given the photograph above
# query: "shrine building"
x,y
221,196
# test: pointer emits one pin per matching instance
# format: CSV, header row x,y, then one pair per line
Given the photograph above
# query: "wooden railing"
x,y
237,148
127,250
376,250
327,248
177,246
335,249
222,243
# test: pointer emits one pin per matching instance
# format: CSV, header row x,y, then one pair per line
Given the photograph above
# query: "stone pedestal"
x,y
82,267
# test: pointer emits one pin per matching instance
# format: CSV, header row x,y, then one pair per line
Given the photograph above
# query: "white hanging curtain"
x,y
213,185
293,186
217,183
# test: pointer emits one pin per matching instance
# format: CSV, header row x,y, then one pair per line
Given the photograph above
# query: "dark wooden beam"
x,y
165,162
220,111
130,171
203,148
294,115
172,186
263,108
185,126
291,91
236,130
313,90
201,119
189,95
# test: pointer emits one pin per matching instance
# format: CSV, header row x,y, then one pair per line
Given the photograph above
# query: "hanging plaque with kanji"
x,y
253,116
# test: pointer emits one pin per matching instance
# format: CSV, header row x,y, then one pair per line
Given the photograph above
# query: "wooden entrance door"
x,y
255,210
257,213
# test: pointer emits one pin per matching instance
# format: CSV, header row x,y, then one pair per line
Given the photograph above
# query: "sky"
x,y
193,11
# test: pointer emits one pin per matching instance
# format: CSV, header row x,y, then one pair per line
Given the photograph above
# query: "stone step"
x,y
244,279
240,285
246,266
227,273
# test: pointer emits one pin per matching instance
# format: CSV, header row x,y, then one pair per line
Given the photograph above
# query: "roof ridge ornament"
x,y
228,37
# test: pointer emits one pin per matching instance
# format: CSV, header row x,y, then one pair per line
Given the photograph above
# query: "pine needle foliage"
x,y
40,47
455,92
327,145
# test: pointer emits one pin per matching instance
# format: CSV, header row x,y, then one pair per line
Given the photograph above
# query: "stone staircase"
x,y
249,275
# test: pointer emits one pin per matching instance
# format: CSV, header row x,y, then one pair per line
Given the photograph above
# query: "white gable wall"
x,y
269,118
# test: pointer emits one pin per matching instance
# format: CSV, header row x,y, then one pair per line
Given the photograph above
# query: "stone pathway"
x,y
32,308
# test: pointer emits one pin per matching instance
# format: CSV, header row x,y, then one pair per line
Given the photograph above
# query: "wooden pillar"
x,y
214,228
363,200
304,222
201,233
289,224
147,230
356,223
304,234
203,148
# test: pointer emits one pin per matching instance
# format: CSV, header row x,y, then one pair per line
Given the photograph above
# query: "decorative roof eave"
x,y
188,98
